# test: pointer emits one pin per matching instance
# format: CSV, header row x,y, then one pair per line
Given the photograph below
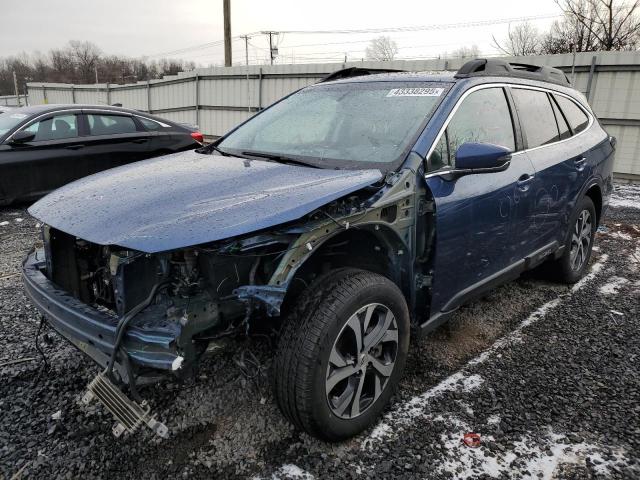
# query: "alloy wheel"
x,y
362,360
580,240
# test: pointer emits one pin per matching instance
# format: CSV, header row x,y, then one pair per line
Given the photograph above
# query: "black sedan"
x,y
46,146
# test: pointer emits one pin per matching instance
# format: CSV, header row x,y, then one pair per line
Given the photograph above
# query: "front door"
x,y
477,215
49,161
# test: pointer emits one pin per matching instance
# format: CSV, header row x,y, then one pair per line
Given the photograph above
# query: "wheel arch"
x,y
594,192
374,247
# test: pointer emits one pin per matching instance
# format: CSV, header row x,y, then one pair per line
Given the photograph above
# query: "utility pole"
x,y
15,86
246,61
273,51
226,5
246,49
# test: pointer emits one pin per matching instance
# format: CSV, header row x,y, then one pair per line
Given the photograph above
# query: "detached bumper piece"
x,y
129,414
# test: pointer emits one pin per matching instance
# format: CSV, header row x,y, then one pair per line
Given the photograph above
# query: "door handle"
x,y
74,147
580,163
524,181
141,140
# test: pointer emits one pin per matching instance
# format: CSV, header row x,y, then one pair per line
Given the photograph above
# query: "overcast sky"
x,y
153,27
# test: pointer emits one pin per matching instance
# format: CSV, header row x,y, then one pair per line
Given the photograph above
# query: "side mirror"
x,y
22,136
481,158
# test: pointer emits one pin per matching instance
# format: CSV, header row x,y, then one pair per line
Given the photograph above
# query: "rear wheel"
x,y
341,353
570,267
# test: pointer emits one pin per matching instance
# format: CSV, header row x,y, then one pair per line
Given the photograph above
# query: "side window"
x,y
110,124
149,124
576,117
483,117
536,116
57,127
440,156
563,127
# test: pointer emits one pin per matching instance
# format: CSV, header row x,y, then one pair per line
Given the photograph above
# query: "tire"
x,y
571,266
318,344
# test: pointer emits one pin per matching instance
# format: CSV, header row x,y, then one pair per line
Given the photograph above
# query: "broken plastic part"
x,y
471,440
177,363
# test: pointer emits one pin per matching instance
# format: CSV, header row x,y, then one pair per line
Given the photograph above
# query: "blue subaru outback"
x,y
349,215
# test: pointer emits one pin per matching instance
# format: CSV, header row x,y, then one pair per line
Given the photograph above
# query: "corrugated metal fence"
x,y
14,100
217,99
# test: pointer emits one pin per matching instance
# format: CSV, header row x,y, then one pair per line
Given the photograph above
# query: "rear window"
x,y
110,124
536,116
576,117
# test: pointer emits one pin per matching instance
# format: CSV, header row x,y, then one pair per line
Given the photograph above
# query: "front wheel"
x,y
342,353
570,267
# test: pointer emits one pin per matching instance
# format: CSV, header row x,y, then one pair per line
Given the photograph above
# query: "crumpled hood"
x,y
189,198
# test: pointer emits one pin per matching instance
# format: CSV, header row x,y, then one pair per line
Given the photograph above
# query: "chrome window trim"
x,y
79,111
510,86
164,125
76,111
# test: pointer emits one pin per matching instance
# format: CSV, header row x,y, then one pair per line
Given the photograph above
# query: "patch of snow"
x,y
2,224
615,312
624,203
595,269
493,419
291,471
620,235
57,415
404,413
543,456
613,285
19,220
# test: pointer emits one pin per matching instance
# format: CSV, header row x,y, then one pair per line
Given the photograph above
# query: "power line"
x,y
425,27
363,31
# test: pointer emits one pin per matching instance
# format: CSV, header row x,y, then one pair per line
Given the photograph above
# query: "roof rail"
x,y
356,72
483,67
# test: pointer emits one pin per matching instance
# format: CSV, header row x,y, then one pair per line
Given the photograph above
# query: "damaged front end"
x,y
143,316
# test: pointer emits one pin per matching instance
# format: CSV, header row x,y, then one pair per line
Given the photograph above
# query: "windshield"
x,y
9,120
350,125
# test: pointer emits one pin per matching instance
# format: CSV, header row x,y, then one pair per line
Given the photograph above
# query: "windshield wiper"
x,y
279,158
219,150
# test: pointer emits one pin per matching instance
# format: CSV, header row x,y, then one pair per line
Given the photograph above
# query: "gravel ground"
x,y
546,374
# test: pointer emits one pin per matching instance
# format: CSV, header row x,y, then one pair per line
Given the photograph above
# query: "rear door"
x,y
560,165
50,160
477,215
114,139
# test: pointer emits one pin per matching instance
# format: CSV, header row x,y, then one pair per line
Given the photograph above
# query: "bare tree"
x,y
570,34
86,56
382,49
523,39
615,25
466,52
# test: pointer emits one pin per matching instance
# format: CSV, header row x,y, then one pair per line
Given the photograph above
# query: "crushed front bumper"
x,y
93,331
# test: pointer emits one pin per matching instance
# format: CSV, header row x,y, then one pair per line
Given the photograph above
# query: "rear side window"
x,y
150,124
576,117
110,124
536,116
57,127
563,127
482,117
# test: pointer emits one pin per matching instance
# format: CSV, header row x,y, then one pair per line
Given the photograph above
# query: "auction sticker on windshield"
x,y
415,92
